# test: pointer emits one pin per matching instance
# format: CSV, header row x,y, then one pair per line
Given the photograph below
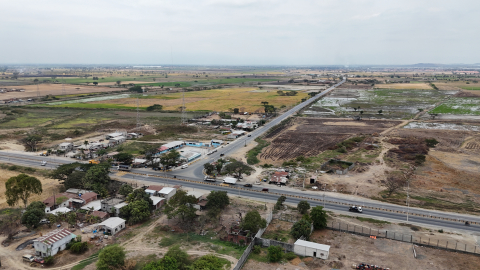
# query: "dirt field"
x,y
310,136
49,186
417,86
54,89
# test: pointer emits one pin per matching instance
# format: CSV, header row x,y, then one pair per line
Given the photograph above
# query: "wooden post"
x,y
438,242
456,244
446,246
475,251
429,241
411,238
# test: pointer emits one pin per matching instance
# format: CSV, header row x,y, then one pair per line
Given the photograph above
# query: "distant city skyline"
x,y
239,32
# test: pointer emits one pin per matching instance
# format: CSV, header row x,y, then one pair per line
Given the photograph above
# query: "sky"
x,y
239,32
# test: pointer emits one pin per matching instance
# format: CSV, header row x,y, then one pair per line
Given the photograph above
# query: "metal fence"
x,y
449,245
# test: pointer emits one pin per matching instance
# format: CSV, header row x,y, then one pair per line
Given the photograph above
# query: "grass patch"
x,y
221,247
84,263
468,106
136,148
371,220
261,257
24,121
97,106
279,235
253,153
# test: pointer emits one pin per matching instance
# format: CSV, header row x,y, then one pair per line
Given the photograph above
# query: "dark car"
x,y
247,185
249,135
265,189
222,154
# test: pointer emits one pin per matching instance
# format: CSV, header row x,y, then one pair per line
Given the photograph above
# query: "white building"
x,y
310,249
167,192
117,140
60,210
118,207
66,146
53,242
95,206
113,225
113,135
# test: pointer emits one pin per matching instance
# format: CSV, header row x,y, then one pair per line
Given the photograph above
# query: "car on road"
x,y
265,189
39,260
184,166
44,163
222,154
249,135
354,208
247,185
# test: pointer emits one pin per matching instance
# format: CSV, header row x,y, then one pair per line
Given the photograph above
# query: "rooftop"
x,y
94,205
309,244
156,199
112,222
54,236
155,187
166,190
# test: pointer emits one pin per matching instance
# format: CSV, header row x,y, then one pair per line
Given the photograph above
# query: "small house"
x,y
66,146
167,192
93,206
153,190
108,204
117,208
53,242
279,178
113,225
101,215
311,249
70,200
157,202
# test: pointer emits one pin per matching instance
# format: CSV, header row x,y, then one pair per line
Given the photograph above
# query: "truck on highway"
x,y
354,208
209,178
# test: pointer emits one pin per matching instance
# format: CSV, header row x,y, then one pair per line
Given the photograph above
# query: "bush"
x,y
49,260
290,256
79,247
440,231
274,253
256,249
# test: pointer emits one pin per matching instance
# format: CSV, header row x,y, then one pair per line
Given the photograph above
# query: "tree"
x,y
20,187
274,253
32,140
36,205
97,178
280,202
71,218
303,207
431,142
217,201
319,217
9,224
136,212
208,168
394,182
125,158
181,205
139,195
155,108
62,172
95,83
125,190
119,82
237,168
74,180
170,158
31,218
219,166
264,103
207,262
280,93
253,222
180,256
380,111
301,228
166,263
79,247
111,256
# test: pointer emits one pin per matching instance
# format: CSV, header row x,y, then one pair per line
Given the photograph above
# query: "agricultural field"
x,y
376,103
459,105
246,99
309,137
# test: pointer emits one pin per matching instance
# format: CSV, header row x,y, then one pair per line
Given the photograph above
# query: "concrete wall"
x,y
269,242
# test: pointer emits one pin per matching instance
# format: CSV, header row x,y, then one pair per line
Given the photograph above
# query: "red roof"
x,y
162,148
54,236
86,196
156,188
277,176
100,214
89,195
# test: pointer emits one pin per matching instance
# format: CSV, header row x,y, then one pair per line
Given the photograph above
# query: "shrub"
x,y
290,256
440,231
48,260
79,247
256,249
274,253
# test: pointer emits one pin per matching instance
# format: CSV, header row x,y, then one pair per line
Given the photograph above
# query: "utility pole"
x,y
408,198
184,115
138,116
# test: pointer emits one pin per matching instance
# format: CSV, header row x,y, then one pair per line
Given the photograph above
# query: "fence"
x,y
247,251
269,242
407,238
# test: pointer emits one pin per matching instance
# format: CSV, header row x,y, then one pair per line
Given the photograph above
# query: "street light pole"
x,y
408,198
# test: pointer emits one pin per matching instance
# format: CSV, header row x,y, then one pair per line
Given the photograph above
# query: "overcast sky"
x,y
239,32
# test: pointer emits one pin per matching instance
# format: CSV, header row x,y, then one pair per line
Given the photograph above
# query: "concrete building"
x,y
53,242
117,208
113,225
310,249
66,146
101,215
153,190
113,135
157,202
109,203
279,178
167,192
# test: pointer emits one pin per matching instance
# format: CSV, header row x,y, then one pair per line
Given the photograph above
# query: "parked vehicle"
x,y
265,189
184,166
28,258
355,209
249,135
467,223
44,221
247,185
208,178
124,167
39,260
92,161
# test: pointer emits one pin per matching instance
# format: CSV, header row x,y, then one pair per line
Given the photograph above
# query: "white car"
x,y
184,166
44,163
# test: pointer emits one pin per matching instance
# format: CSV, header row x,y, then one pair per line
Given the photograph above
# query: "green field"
x,y
25,121
466,105
97,106
204,82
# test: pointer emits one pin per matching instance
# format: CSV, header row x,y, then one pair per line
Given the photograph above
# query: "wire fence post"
x,y
438,242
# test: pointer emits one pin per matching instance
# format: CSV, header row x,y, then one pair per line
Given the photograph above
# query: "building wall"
x,y
310,252
45,250
115,230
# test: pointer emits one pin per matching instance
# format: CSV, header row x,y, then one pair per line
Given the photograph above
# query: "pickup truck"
x,y
355,209
208,178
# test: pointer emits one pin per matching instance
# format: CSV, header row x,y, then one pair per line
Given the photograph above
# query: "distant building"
x,y
70,200
66,146
153,190
53,242
311,249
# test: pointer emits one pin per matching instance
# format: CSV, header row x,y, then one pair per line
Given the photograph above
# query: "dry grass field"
x,y
214,100
54,89
419,86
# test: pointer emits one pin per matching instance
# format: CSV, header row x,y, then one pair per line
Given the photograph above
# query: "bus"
x,y
124,167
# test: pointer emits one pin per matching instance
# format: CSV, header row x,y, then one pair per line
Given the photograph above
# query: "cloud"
x,y
231,32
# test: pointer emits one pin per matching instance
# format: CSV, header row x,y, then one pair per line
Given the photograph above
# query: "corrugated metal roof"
x,y
54,236
304,243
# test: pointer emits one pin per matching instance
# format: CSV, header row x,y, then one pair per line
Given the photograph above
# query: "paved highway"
x,y
332,203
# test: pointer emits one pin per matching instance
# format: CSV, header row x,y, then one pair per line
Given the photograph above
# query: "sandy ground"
x,y
49,186
54,89
11,145
460,161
